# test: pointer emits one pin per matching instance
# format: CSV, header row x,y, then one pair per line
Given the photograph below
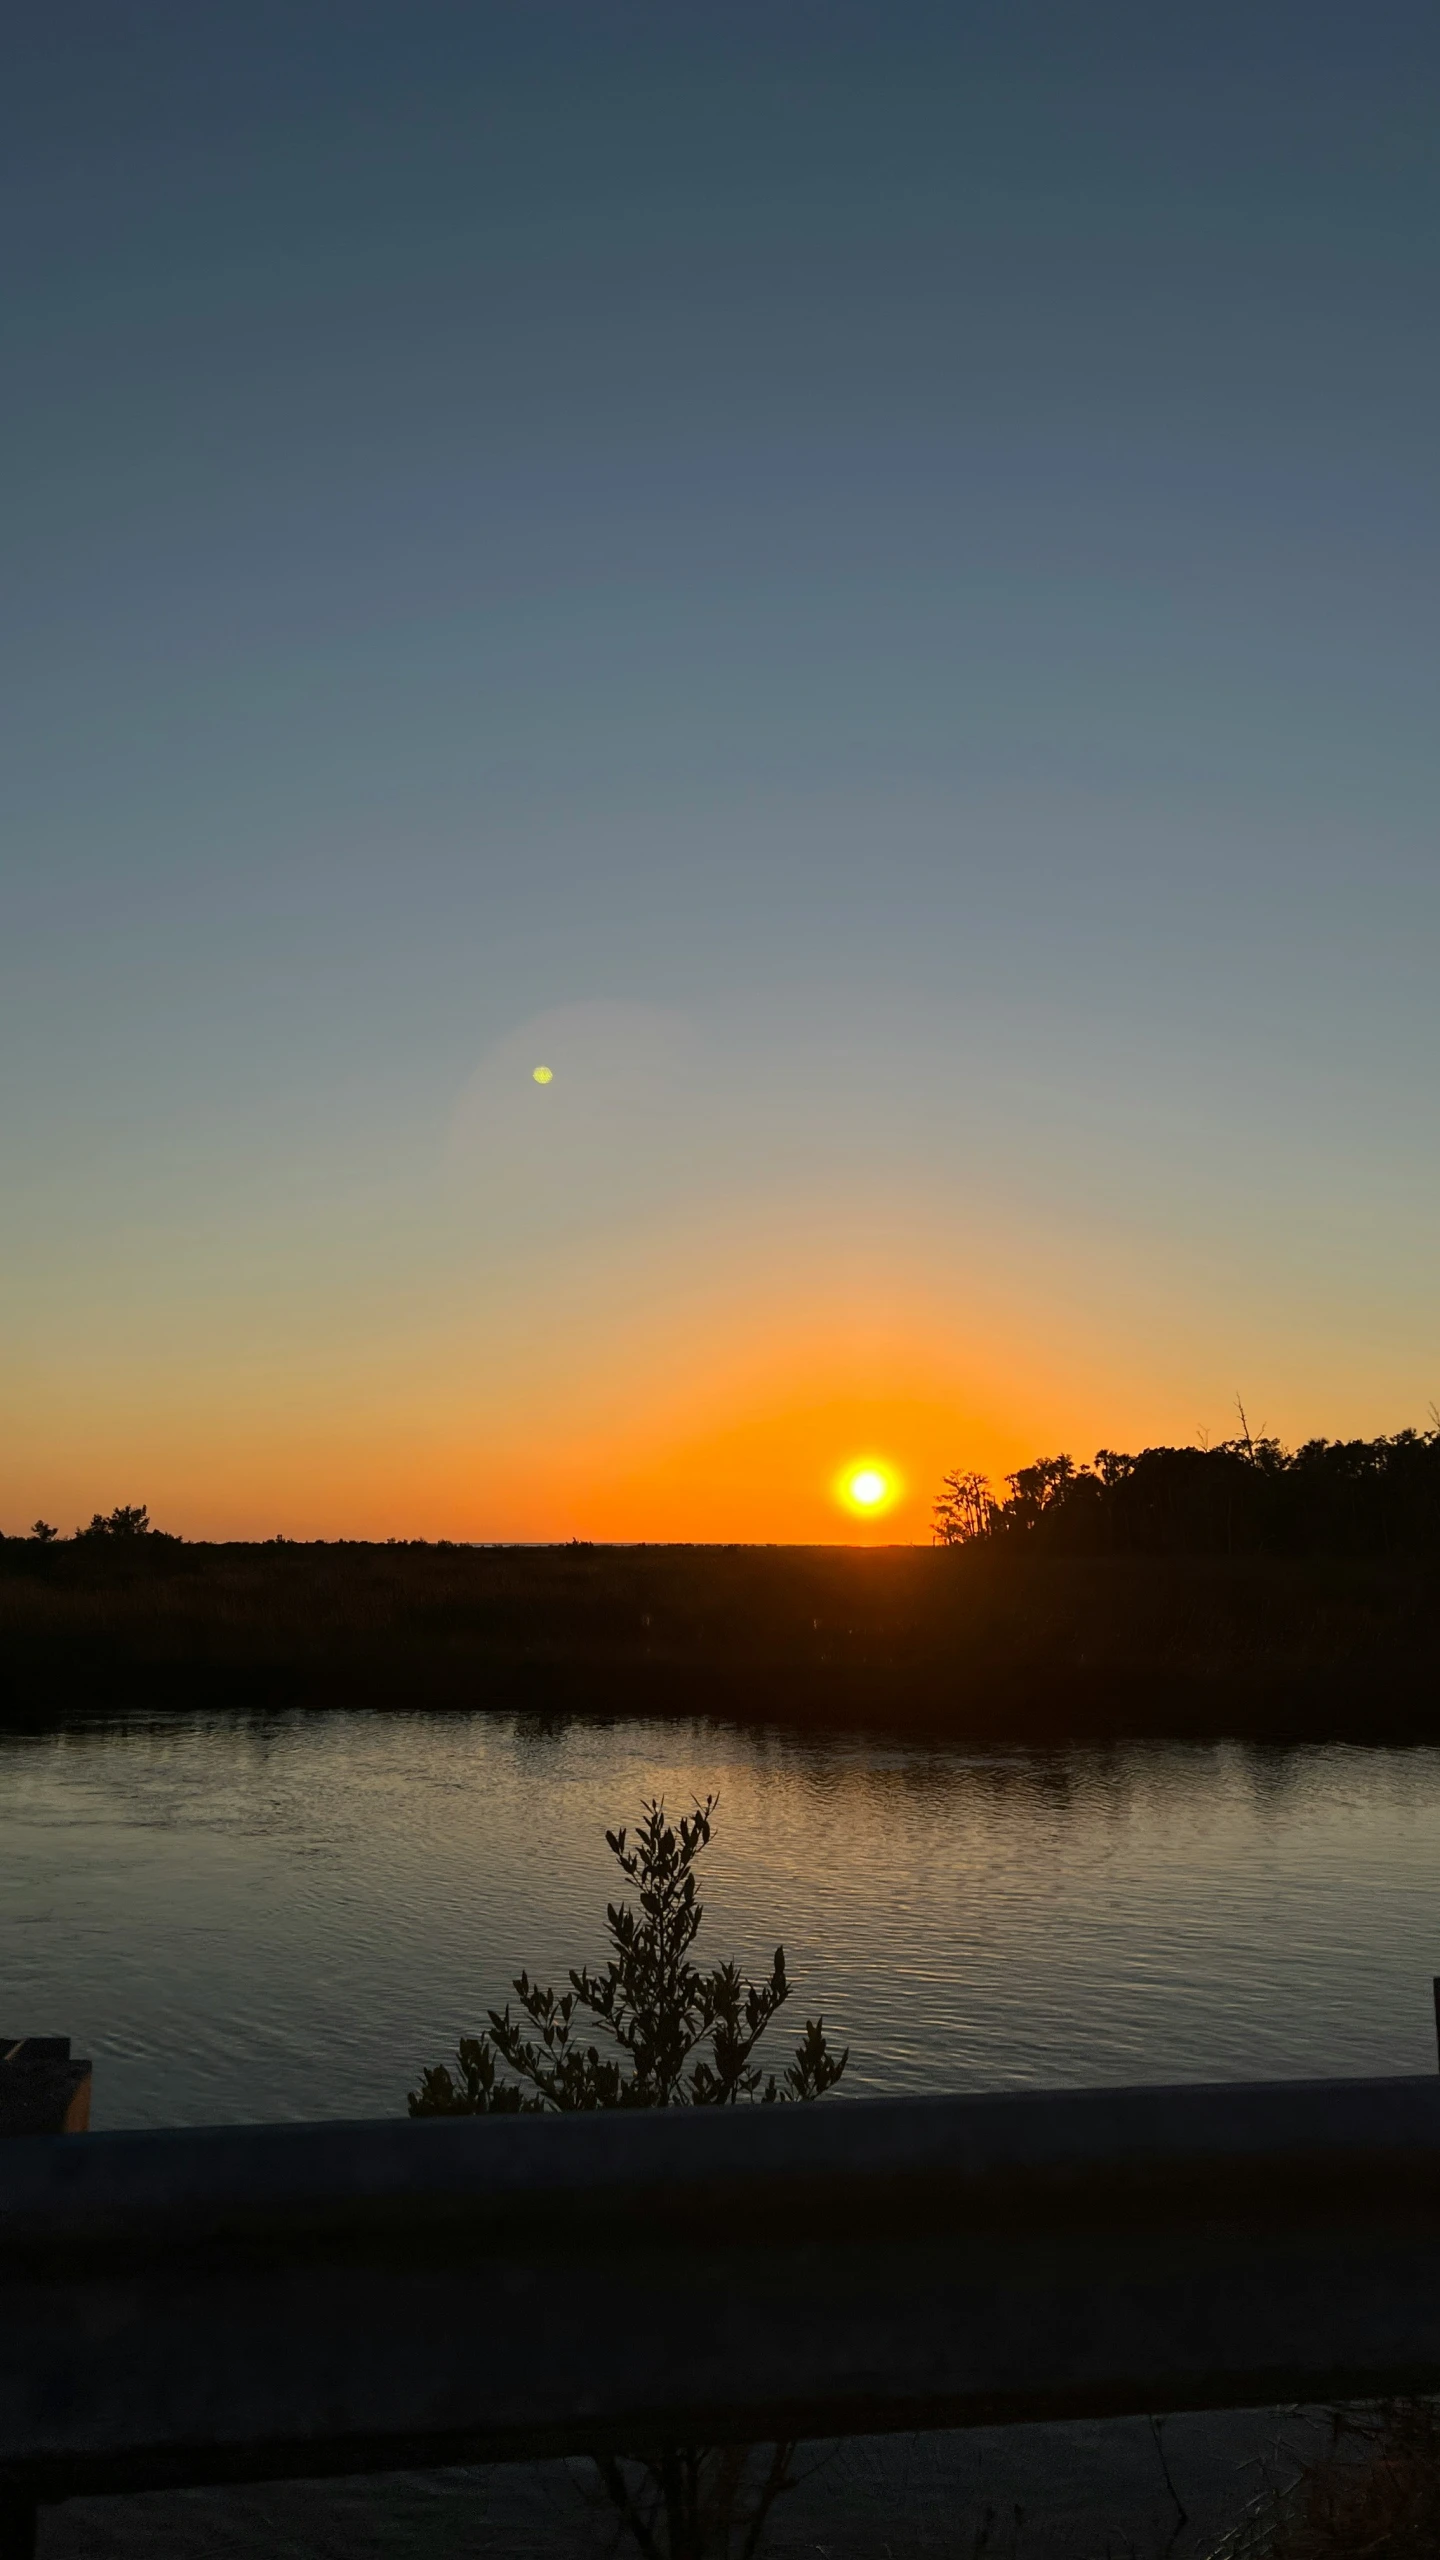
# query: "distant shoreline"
x,y
965,1645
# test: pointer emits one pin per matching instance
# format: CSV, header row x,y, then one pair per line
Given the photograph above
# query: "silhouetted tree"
x,y
964,1509
127,1520
675,2036
44,1531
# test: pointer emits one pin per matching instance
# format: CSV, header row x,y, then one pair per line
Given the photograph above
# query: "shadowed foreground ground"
x,y
1084,2489
979,1641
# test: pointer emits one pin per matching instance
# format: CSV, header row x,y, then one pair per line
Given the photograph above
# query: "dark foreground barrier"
x,y
240,2304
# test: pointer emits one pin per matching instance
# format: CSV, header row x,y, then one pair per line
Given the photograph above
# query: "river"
x,y
243,1921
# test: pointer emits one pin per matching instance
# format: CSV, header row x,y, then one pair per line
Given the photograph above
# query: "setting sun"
x,y
867,1486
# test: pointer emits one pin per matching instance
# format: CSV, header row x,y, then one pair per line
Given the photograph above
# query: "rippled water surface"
x,y
243,1922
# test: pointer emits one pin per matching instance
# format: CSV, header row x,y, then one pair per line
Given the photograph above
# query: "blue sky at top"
x,y
898,540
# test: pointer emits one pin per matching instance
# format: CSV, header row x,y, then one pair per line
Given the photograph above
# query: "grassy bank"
x,y
978,1642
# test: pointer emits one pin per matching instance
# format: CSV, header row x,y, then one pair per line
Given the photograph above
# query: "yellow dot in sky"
x,y
867,1486
543,1075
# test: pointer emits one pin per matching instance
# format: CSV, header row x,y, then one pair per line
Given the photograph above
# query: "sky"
x,y
858,580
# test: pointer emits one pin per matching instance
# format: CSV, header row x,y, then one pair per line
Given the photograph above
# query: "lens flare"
x,y
543,1075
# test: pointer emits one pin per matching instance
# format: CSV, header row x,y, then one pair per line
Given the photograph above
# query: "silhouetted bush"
x,y
680,2037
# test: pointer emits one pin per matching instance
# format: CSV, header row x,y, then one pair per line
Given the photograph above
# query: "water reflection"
x,y
285,1916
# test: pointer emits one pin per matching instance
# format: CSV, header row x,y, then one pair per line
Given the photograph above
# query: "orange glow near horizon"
x,y
765,1449
709,1384
744,1460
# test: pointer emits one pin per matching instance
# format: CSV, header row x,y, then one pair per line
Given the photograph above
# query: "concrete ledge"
x,y
299,2299
121,2183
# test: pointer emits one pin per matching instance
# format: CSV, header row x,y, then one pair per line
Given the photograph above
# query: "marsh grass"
x,y
972,1642
1373,2494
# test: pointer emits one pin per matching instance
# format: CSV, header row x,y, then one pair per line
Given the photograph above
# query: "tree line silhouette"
x,y
122,1543
128,1520
1245,1496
